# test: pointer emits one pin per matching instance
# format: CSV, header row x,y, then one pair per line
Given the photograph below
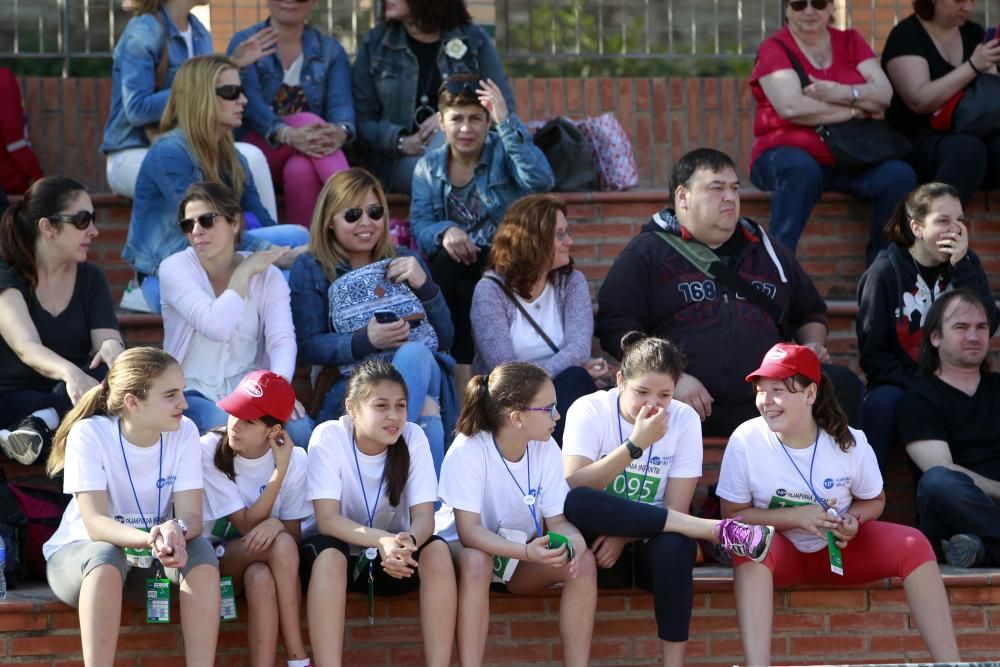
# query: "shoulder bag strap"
x,y
524,311
803,79
161,67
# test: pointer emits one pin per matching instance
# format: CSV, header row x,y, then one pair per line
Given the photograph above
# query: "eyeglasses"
x,y
231,92
81,219
562,234
551,409
352,215
800,5
206,220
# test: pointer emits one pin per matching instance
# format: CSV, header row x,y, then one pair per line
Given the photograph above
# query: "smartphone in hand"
x,y
991,34
386,316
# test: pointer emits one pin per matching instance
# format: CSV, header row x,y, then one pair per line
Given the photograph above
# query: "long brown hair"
x,y
916,206
523,243
224,454
364,377
826,408
490,397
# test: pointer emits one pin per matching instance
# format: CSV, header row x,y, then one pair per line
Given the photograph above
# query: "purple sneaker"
x,y
741,539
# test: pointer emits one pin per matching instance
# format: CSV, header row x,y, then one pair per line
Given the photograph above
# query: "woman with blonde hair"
x,y
206,105
132,462
355,296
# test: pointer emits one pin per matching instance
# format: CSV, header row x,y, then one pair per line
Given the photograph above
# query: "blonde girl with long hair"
x,y
132,463
206,105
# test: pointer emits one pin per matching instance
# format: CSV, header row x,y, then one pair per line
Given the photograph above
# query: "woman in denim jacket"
x,y
205,106
462,190
398,71
139,89
299,110
350,231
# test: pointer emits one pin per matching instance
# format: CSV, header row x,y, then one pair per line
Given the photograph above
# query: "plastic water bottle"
x,y
3,575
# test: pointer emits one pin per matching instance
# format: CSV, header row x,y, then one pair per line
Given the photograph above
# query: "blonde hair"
x,y
132,373
192,107
344,190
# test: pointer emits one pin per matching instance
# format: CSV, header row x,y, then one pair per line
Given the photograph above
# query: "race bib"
x,y
631,485
503,566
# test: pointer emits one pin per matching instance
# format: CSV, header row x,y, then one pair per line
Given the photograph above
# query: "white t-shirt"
x,y
94,462
475,479
188,40
333,474
594,429
756,468
224,496
527,344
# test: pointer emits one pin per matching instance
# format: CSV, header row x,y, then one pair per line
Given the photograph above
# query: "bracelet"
x,y
857,517
974,68
526,553
399,143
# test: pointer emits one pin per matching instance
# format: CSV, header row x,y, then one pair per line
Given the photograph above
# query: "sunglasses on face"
x,y
551,409
352,215
800,5
231,92
205,220
81,219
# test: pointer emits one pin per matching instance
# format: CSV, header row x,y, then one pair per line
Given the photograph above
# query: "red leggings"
x,y
879,550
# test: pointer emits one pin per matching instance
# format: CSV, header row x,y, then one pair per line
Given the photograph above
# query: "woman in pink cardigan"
x,y
531,305
225,313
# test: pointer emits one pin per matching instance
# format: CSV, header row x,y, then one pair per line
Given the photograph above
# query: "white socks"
x,y
49,416
299,663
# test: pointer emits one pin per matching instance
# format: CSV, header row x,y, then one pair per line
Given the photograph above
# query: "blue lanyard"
x,y
159,476
531,507
819,499
649,457
361,481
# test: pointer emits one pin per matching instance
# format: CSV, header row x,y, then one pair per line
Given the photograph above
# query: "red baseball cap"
x,y
785,360
261,393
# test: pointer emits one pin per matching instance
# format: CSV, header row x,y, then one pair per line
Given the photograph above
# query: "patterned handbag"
x,y
614,161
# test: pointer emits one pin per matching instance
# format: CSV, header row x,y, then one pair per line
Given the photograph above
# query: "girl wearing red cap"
x,y
254,504
817,482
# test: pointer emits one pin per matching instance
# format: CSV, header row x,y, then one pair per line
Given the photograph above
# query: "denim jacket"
x,y
166,172
386,71
135,102
326,81
510,167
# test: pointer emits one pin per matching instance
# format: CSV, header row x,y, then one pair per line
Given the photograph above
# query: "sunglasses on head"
x,y
81,219
231,92
375,212
459,86
800,5
206,220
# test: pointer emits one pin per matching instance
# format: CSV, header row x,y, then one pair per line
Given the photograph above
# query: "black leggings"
x,y
663,563
458,283
966,162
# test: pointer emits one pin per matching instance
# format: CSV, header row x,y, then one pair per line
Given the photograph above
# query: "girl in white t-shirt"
x,y
632,456
503,489
372,483
130,458
255,488
801,468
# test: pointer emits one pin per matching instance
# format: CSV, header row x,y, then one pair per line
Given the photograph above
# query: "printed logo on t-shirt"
x,y
261,490
138,520
785,498
166,481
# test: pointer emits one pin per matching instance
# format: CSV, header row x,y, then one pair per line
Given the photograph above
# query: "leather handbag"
x,y
569,154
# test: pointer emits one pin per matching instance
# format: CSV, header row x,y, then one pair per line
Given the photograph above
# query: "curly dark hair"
x,y
438,15
522,246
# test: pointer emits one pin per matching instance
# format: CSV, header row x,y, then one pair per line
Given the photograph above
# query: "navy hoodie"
x,y
653,289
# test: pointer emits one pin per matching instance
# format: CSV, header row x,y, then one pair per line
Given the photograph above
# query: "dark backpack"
x,y
31,514
12,530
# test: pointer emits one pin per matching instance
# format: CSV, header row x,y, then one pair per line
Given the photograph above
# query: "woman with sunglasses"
x,y
397,74
789,158
58,330
931,57
225,313
355,296
299,110
206,105
462,190
161,36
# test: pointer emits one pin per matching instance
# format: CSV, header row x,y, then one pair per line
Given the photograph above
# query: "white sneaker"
x,y
134,299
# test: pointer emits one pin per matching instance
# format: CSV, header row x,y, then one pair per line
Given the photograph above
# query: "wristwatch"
x,y
182,524
633,450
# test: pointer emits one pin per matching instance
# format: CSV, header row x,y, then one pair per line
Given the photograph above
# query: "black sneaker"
x,y
25,443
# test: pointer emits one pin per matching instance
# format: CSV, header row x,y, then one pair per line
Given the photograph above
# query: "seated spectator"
x,y
356,296
400,66
205,106
58,330
950,431
771,470
655,288
929,255
789,157
141,79
502,514
299,110
462,190
225,313
533,306
930,56
19,166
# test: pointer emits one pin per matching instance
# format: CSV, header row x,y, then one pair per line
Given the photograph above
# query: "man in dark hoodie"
x,y
654,289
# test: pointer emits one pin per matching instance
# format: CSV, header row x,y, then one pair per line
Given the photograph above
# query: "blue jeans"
x,y
207,415
878,421
798,181
949,503
422,375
